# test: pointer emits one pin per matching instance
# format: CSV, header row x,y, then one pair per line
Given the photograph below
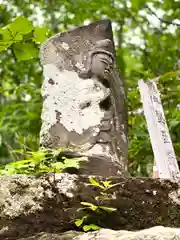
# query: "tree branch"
x,y
160,19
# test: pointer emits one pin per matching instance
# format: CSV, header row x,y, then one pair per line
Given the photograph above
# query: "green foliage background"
x,y
146,46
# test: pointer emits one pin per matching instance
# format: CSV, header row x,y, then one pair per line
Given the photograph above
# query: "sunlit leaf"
x,y
25,51
95,183
107,183
90,205
5,39
40,34
58,165
79,222
21,25
90,227
108,209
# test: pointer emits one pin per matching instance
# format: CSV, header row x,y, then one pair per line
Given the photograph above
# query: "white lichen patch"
x,y
175,196
65,93
22,194
124,138
80,66
99,149
154,192
66,184
65,46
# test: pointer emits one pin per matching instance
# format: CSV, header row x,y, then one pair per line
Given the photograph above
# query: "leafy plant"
x,y
89,208
41,161
102,184
23,37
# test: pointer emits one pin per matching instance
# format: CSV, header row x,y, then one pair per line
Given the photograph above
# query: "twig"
x,y
160,19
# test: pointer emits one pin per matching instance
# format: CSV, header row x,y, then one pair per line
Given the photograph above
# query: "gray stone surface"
x,y
155,233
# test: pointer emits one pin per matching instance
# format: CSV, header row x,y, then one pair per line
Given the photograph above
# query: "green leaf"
x,y
25,51
0,140
107,183
73,162
90,227
79,222
58,165
137,4
90,205
87,204
86,228
95,183
169,75
18,163
95,227
108,209
173,123
5,34
39,155
3,46
21,25
18,37
5,39
40,34
70,163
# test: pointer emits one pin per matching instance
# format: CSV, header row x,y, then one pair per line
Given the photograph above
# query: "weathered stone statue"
x,y
84,99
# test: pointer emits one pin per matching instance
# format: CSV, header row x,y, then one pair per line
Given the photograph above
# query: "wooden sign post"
x,y
164,154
